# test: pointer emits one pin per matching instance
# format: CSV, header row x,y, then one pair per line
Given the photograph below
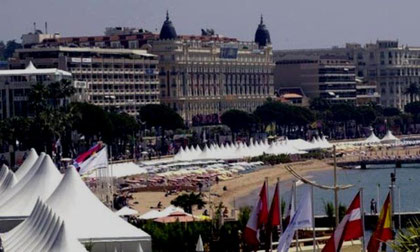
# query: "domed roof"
x,y
168,30
262,35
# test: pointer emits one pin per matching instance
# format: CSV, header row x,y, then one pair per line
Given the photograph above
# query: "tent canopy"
x,y
39,182
41,231
86,216
27,164
126,211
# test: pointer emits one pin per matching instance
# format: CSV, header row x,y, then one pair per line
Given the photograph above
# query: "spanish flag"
x,y
383,230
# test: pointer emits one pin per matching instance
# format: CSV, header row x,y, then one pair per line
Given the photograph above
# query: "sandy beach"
x,y
237,187
243,185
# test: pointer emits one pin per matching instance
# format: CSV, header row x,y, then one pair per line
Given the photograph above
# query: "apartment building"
x,y
387,64
115,79
327,77
16,84
203,76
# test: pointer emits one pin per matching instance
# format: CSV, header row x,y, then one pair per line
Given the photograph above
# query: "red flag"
x,y
350,227
383,230
258,219
274,214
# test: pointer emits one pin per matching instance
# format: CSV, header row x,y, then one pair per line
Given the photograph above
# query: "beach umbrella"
x,y
199,247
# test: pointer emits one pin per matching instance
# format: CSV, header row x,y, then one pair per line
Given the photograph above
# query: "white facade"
x,y
15,85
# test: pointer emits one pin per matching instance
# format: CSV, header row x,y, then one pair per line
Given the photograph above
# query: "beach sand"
x,y
243,185
239,186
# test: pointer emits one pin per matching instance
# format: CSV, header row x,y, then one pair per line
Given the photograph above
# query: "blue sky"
x,y
292,23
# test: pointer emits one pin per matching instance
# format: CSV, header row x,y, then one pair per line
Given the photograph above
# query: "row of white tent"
x,y
42,210
389,138
241,150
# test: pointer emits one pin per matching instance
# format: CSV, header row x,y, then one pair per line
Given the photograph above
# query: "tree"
x,y
187,201
11,46
159,115
238,120
388,112
412,90
320,104
407,239
91,121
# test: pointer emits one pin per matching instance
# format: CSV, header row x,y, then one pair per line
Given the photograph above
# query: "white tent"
x,y
17,202
126,211
122,170
42,231
90,220
27,164
389,138
372,139
154,214
7,179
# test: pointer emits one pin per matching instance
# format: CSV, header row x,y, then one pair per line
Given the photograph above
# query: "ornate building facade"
x,y
203,76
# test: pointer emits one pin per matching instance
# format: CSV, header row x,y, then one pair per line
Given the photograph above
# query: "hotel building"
x,y
16,84
203,76
115,79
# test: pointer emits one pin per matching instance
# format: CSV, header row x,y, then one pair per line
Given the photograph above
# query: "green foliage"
x,y
320,104
412,90
238,120
317,154
413,108
187,201
272,159
329,210
91,121
184,236
10,48
407,239
389,112
159,115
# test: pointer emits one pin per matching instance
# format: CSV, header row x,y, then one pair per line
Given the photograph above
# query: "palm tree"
x,y
187,201
412,90
409,239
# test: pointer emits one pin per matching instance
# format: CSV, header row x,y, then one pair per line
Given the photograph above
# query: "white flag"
x,y
96,161
301,219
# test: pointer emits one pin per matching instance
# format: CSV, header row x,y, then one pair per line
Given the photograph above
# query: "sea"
x,y
375,181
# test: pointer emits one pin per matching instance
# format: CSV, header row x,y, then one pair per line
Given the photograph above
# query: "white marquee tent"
x,y
91,221
17,202
125,169
27,164
154,214
42,231
372,139
390,138
7,179
241,150
126,211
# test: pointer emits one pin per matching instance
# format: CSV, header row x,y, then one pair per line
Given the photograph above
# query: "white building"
x,y
15,85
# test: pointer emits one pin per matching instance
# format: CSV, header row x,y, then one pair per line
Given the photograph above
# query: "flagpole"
x,y
313,218
335,188
295,206
280,212
362,212
399,207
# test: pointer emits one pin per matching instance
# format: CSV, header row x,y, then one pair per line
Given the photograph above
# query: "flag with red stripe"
x,y
258,219
350,227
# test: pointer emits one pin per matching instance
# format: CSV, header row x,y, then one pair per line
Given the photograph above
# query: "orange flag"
x,y
383,230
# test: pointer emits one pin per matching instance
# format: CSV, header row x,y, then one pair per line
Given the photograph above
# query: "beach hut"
x,y
17,202
90,220
41,231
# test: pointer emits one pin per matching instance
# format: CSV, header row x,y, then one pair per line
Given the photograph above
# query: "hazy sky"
x,y
292,23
